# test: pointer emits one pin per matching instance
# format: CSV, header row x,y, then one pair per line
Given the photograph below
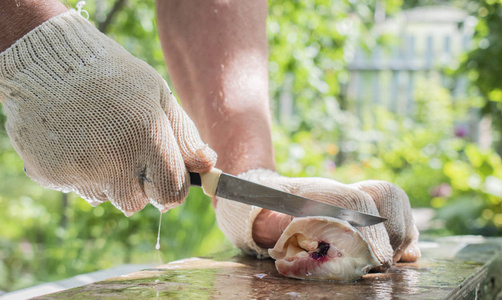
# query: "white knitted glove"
x,y
374,197
87,116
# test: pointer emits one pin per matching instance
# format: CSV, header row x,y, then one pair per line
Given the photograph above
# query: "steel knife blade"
x,y
233,188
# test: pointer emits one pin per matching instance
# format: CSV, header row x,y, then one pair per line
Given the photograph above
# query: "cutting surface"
x,y
451,268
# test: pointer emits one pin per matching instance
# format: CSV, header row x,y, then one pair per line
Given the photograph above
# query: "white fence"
x,y
428,39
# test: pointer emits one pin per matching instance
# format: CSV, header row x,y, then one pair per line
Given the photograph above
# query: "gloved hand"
x,y
387,241
87,116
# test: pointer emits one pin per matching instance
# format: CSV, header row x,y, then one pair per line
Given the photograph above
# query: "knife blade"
x,y
230,187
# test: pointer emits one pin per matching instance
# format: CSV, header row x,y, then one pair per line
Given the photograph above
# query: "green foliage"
x,y
483,63
310,43
421,153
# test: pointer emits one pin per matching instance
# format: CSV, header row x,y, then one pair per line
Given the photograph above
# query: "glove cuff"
x,y
54,49
236,219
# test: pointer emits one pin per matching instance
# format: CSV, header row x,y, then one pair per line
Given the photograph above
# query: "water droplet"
x,y
293,295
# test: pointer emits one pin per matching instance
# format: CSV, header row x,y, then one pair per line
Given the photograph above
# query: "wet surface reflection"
x,y
229,276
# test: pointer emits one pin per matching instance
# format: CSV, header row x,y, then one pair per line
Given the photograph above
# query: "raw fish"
x,y
323,248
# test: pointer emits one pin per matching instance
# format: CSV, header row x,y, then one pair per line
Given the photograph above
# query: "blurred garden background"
x,y
408,91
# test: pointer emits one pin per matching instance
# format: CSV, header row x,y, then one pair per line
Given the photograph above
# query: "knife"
x,y
217,183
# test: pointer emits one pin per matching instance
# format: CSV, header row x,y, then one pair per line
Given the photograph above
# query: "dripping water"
x,y
157,246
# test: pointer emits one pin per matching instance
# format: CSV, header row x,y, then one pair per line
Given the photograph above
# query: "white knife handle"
x,y
210,181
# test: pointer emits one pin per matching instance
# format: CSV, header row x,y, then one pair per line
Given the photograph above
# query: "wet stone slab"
x,y
466,267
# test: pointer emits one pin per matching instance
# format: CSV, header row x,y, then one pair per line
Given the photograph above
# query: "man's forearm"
x,y
18,17
216,53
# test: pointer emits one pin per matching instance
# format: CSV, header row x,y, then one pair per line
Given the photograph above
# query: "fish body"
x,y
323,248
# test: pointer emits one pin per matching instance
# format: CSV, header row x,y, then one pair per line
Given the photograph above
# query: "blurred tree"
x,y
483,63
310,44
425,153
